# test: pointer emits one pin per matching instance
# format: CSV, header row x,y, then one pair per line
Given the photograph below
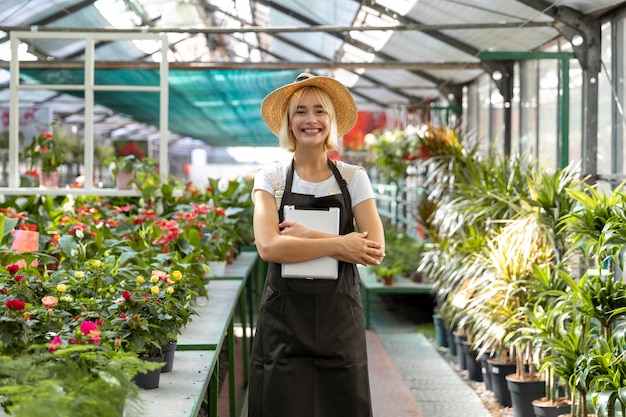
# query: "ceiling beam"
x,y
249,65
274,29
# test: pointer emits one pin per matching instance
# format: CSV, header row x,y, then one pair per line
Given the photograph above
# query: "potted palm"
x,y
607,366
501,295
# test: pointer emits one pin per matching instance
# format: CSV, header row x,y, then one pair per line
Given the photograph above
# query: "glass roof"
x,y
226,55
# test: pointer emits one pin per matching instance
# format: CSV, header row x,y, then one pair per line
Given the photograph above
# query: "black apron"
x,y
309,357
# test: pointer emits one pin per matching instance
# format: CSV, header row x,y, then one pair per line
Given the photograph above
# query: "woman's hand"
x,y
360,250
355,247
288,228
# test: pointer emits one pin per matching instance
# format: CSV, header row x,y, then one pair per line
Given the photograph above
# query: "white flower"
x,y
222,184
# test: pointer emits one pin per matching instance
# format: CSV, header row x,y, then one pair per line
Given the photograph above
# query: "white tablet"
x,y
324,220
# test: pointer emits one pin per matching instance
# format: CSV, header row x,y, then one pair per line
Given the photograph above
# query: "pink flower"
x,y
49,301
161,275
55,344
90,329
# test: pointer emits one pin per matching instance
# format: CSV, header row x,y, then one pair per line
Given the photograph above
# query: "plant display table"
x,y
371,285
182,391
193,383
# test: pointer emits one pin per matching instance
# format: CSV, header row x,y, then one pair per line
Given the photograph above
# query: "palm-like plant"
x,y
502,294
607,365
562,333
595,225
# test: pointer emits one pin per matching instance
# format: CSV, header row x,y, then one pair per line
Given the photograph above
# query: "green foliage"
x,y
403,253
69,381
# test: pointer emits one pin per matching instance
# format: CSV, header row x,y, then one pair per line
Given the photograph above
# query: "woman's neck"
x,y
312,168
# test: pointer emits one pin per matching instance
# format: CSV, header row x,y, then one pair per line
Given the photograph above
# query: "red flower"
x,y
122,316
13,268
18,278
126,295
16,305
131,148
55,238
31,227
113,223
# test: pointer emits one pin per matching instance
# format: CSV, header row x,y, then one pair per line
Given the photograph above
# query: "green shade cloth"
x,y
219,107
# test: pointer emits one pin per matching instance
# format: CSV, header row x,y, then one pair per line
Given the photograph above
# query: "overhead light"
x,y
577,40
180,13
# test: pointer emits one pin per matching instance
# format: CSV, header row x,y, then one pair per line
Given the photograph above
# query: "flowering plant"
x,y
44,149
150,312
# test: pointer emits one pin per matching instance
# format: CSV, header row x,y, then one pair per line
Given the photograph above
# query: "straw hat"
x,y
274,106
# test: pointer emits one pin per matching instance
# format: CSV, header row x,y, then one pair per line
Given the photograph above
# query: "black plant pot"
x,y
460,357
523,393
472,363
150,379
441,334
546,409
168,356
484,369
498,372
451,343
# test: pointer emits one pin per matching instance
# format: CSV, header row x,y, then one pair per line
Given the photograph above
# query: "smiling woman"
x,y
330,372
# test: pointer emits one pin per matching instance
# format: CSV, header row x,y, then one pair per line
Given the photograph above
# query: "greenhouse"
x,y
251,208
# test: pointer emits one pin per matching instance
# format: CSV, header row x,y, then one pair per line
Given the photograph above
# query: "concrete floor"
x,y
436,388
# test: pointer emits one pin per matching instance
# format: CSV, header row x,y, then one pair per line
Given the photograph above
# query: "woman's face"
x,y
310,124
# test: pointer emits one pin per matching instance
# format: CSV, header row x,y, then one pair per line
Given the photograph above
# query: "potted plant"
x,y
608,368
560,335
133,171
386,273
46,153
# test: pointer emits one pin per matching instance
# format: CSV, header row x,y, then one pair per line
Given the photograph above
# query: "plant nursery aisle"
x,y
436,387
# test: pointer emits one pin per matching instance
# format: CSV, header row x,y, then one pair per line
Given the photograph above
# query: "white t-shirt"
x,y
359,187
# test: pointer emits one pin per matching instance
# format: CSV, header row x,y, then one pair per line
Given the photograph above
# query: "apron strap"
x,y
343,185
287,191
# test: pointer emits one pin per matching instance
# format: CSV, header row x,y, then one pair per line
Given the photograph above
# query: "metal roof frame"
x,y
452,25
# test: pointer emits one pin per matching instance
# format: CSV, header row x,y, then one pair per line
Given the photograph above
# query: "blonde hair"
x,y
285,136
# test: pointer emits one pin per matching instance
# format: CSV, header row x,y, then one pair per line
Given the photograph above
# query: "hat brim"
x,y
274,106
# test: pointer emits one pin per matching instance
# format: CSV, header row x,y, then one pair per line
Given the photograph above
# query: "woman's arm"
x,y
295,243
367,219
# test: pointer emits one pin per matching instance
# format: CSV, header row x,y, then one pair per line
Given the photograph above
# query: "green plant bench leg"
x,y
231,370
210,404
244,337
